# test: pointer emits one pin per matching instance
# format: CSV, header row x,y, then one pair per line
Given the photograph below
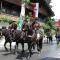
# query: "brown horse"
x,y
37,37
8,37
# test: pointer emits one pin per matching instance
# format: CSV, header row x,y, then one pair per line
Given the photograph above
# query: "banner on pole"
x,y
36,10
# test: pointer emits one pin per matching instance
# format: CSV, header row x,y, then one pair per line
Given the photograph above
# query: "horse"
x,y
38,35
11,35
20,36
8,37
39,40
35,37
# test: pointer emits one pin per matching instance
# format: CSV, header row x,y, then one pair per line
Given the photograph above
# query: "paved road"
x,y
49,52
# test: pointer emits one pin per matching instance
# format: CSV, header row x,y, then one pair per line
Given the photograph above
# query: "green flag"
x,y
20,23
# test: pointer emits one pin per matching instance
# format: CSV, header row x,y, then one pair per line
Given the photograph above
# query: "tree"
x,y
49,22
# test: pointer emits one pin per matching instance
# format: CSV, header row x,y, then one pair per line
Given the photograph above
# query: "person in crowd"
x,y
58,35
49,35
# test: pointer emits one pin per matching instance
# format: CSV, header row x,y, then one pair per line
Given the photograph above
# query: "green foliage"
x,y
49,22
26,1
10,21
5,19
46,26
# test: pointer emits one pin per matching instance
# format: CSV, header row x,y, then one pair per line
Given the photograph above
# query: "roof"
x,y
57,23
17,2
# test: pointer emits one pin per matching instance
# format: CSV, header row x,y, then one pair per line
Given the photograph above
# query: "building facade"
x,y
13,8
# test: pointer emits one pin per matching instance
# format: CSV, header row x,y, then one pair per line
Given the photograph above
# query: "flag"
x,y
36,9
20,23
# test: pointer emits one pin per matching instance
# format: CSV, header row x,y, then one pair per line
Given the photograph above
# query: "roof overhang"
x,y
47,7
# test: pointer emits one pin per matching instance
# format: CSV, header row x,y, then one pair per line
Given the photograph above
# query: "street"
x,y
49,52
